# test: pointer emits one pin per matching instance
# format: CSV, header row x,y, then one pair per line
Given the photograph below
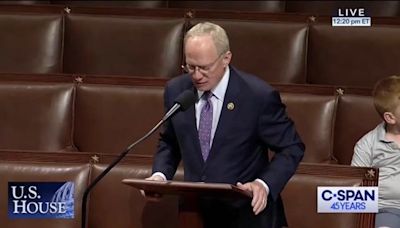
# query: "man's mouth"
x,y
201,83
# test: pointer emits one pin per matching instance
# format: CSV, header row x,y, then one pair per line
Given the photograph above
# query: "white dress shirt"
x,y
217,101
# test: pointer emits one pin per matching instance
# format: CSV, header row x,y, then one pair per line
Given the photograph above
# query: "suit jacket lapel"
x,y
228,114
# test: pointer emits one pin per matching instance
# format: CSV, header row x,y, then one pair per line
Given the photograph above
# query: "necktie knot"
x,y
207,95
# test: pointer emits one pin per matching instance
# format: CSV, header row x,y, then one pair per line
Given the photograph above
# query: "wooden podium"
x,y
191,191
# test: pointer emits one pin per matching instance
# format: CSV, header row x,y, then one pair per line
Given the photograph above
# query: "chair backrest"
x,y
31,43
36,116
123,45
110,117
274,51
352,56
115,3
260,6
313,116
355,117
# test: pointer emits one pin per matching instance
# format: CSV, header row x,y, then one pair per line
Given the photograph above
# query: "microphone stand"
x,y
118,159
184,100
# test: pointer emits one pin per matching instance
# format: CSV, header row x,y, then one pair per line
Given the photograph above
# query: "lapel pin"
x,y
230,106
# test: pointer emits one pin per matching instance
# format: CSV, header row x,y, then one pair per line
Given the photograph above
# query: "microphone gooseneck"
x,y
186,99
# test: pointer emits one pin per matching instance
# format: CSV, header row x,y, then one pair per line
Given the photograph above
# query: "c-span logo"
x,y
347,199
40,200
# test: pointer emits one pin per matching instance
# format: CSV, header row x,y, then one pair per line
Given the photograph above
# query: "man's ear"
x,y
389,118
227,58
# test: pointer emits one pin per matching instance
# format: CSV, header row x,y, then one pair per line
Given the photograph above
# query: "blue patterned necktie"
x,y
205,124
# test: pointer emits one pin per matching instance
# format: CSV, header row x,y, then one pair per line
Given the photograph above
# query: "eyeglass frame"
x,y
202,69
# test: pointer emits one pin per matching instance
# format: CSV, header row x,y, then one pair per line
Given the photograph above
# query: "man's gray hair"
x,y
217,33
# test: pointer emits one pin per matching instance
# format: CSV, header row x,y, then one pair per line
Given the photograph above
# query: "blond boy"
x,y
381,148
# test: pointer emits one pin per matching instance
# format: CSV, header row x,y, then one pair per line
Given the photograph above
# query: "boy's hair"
x,y
386,94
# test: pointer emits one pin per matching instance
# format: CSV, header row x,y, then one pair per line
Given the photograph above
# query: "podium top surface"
x,y
187,188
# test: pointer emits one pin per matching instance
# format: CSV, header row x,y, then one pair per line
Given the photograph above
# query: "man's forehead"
x,y
200,44
200,40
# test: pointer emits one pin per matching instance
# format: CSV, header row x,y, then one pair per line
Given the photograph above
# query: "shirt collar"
x,y
382,133
219,90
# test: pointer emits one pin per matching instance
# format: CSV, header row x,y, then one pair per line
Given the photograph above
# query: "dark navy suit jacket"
x,y
244,134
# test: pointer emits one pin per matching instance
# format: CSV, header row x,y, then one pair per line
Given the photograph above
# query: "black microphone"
x,y
186,99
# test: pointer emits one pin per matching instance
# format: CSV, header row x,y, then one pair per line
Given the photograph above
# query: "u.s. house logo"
x,y
41,200
347,199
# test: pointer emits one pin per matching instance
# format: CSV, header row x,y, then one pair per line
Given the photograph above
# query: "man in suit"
x,y
225,136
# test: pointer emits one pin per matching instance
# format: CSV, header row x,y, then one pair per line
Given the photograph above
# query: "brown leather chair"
x,y
274,51
31,43
36,116
313,116
355,117
122,45
352,56
135,4
25,2
263,6
109,117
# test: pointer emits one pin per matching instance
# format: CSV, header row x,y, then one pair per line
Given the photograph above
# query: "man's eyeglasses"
x,y
202,69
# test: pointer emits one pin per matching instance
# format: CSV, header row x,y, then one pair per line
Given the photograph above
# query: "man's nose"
x,y
197,74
